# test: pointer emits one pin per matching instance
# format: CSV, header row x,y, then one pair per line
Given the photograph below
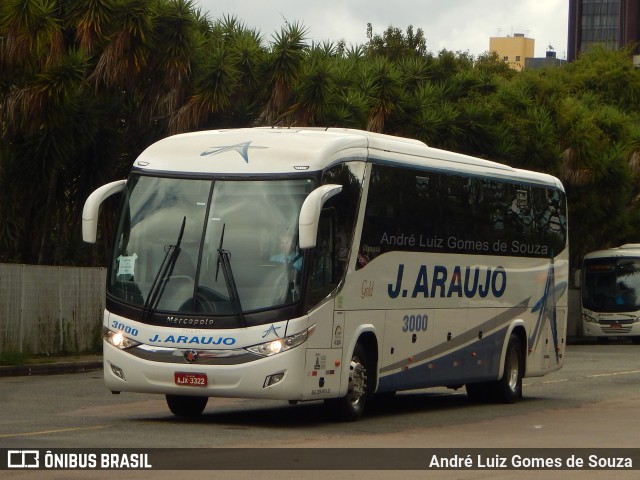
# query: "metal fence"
x,y
53,310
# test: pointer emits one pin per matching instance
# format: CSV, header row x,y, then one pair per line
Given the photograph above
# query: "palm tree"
x,y
349,107
92,21
130,46
382,83
212,92
178,39
32,34
284,66
227,79
12,220
45,149
63,133
431,117
251,93
314,93
31,40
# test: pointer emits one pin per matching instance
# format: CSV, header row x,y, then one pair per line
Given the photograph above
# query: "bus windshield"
x,y
175,237
611,284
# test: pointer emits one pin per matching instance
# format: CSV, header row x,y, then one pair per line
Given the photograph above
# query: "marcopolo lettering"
x,y
193,340
190,321
460,282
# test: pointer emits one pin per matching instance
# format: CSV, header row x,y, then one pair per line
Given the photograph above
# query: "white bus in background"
x,y
329,264
610,293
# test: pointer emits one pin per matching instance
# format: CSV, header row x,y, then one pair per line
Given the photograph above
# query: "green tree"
x,y
32,43
394,44
226,86
285,61
87,84
314,93
382,84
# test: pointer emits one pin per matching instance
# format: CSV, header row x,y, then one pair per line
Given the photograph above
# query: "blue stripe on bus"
x,y
478,361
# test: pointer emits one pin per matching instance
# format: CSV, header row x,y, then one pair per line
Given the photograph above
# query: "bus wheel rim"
x,y
357,379
513,370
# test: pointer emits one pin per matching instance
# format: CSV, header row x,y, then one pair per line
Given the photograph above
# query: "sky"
x,y
456,25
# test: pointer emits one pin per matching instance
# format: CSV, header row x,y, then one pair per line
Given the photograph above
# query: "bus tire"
x,y
509,388
351,407
186,406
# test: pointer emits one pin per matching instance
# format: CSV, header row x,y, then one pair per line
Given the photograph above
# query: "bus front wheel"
x,y
186,406
351,406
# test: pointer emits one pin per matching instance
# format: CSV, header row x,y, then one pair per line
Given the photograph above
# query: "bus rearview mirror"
x,y
92,208
310,213
577,277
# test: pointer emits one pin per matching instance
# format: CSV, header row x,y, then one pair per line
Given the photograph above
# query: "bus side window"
x,y
335,231
324,276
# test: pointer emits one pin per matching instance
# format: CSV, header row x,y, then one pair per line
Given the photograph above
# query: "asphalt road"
x,y
593,402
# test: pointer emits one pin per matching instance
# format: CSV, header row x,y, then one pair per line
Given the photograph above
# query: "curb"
x,y
50,368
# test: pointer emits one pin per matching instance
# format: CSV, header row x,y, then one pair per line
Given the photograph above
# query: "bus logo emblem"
x,y
272,329
241,148
191,356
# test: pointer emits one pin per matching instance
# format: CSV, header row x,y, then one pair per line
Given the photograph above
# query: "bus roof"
x,y
627,250
273,150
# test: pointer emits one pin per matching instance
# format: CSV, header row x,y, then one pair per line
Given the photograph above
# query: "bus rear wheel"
x,y
186,406
351,406
509,388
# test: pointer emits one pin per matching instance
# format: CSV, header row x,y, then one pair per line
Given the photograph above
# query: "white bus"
x,y
329,264
610,293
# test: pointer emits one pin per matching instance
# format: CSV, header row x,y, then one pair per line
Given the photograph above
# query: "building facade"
x,y
513,49
549,60
614,23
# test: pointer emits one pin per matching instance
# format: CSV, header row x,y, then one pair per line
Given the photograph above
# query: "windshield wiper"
x,y
164,273
224,257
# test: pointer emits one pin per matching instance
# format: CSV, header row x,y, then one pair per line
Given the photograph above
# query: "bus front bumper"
x,y
274,377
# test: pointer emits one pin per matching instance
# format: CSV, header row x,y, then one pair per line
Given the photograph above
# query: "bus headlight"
x,y
117,339
589,318
281,344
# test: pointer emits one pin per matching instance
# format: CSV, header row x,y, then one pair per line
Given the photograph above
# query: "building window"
x,y
600,22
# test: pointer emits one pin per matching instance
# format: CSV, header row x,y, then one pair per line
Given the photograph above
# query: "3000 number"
x,y
415,323
124,328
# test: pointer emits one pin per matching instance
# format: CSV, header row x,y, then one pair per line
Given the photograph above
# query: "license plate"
x,y
615,325
189,379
